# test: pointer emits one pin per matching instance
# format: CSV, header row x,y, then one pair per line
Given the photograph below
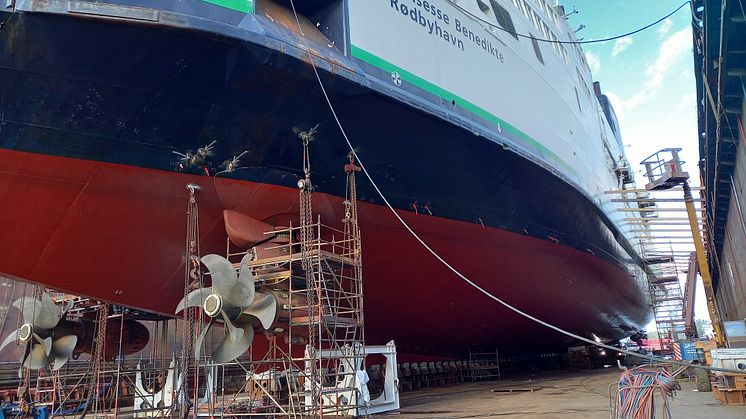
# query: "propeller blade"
x,y
13,337
194,299
242,294
46,343
27,303
222,273
201,340
63,348
264,309
244,271
38,358
235,334
228,350
41,314
26,353
50,313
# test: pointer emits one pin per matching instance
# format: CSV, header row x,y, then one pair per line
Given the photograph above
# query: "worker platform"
x,y
664,171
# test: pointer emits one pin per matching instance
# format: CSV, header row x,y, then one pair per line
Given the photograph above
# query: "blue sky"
x,y
649,78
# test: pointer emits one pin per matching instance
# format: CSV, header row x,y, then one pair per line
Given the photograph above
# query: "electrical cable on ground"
x,y
552,41
448,265
636,393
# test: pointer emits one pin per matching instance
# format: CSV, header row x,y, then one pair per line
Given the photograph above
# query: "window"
x,y
544,6
524,8
534,19
483,6
555,45
547,32
582,83
537,50
503,18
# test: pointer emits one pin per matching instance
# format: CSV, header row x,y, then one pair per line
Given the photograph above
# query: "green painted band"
x,y
245,6
427,86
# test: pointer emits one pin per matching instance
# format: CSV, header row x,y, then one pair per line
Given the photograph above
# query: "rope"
x,y
551,41
443,261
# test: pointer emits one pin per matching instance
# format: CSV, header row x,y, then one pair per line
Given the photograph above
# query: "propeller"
x,y
37,333
233,299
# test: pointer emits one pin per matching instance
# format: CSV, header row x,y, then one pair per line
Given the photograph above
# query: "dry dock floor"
x,y
556,395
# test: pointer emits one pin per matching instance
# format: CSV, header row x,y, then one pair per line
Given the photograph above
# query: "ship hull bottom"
x,y
116,233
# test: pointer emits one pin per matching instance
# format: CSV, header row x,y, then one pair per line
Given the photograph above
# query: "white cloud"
x,y
620,45
673,50
688,101
665,26
594,62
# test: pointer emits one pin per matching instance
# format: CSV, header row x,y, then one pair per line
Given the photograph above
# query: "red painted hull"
x,y
116,233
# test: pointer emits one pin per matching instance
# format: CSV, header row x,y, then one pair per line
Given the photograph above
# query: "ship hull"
x,y
93,198
116,233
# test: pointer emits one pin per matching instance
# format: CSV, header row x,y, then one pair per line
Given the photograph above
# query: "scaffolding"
x,y
301,289
668,251
313,364
664,237
315,350
667,300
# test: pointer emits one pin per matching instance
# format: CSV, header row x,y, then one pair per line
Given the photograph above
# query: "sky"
x,y
649,78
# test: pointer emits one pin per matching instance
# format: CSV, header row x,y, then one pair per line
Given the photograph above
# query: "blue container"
x,y
41,413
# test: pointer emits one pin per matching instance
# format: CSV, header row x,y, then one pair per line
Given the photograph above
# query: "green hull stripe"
x,y
425,85
246,6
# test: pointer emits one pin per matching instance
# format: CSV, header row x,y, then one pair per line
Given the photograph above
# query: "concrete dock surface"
x,y
556,394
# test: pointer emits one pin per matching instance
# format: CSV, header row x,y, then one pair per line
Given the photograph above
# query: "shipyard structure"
x,y
720,65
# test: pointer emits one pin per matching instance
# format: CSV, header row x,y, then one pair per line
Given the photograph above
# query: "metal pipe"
x,y
652,219
650,209
661,230
651,200
621,191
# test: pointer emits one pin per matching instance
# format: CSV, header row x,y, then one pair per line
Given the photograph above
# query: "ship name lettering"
x,y
433,27
415,13
433,10
484,43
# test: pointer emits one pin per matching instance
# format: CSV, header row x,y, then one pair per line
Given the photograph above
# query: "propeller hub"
x,y
25,332
212,305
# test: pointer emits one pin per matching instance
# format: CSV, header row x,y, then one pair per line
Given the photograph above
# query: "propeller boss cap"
x,y
212,305
25,332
